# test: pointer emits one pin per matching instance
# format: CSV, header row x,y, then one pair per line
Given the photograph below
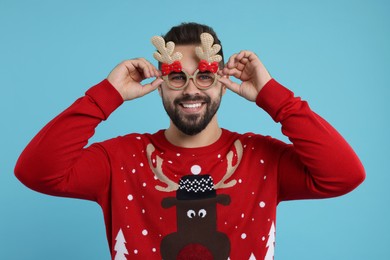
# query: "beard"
x,y
194,123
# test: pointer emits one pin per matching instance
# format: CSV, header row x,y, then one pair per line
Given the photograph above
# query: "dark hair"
x,y
189,33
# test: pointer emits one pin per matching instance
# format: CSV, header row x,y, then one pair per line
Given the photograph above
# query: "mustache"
x,y
187,98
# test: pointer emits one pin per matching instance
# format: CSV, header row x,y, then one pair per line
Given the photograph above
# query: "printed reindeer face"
x,y
197,214
196,211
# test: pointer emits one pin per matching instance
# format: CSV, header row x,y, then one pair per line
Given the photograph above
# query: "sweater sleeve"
x,y
55,162
319,163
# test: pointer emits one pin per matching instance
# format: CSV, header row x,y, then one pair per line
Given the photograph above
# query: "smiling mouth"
x,y
192,105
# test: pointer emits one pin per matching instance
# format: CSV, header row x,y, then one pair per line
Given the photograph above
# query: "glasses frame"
x,y
193,77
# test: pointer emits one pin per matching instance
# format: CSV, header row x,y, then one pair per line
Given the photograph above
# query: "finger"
x,y
245,57
232,72
235,58
147,88
238,61
152,69
155,71
231,62
158,72
241,65
245,54
241,55
233,86
248,57
157,82
148,69
137,69
222,73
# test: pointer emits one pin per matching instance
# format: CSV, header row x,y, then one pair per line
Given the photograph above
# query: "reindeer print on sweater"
x,y
196,215
204,208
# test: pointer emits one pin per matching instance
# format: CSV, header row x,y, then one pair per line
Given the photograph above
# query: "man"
x,y
194,190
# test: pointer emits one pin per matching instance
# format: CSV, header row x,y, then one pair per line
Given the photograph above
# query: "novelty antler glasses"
x,y
204,77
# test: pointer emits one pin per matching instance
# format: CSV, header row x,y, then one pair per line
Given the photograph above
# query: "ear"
x,y
223,199
223,86
168,202
223,89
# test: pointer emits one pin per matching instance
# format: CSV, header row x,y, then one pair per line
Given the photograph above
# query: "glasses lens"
x,y
205,79
177,79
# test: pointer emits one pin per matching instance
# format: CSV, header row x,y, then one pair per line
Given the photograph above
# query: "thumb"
x,y
147,88
233,86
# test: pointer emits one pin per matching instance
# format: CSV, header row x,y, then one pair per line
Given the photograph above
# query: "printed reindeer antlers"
x,y
230,168
165,51
207,51
156,167
157,170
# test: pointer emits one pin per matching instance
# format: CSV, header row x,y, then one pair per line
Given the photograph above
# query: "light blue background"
x,y
333,53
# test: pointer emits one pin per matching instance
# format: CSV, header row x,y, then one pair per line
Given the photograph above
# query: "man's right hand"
x,y
127,76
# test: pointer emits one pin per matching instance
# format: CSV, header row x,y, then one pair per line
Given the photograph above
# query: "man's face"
x,y
191,109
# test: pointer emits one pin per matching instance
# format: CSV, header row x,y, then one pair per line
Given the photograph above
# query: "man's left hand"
x,y
248,68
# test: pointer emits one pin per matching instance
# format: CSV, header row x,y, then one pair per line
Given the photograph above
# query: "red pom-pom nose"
x,y
195,252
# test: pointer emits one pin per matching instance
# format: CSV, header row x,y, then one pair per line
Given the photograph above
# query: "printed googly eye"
x,y
202,213
191,213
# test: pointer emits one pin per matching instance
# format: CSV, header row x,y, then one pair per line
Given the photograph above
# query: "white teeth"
x,y
192,105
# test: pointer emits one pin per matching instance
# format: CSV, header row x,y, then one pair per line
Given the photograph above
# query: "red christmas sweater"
x,y
161,201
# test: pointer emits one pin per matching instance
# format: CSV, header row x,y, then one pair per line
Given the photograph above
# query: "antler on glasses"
x,y
208,51
165,51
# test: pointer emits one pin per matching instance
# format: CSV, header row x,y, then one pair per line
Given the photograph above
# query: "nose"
x,y
191,88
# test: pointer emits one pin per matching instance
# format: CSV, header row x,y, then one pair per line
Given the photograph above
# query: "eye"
x,y
177,77
191,213
202,213
205,76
